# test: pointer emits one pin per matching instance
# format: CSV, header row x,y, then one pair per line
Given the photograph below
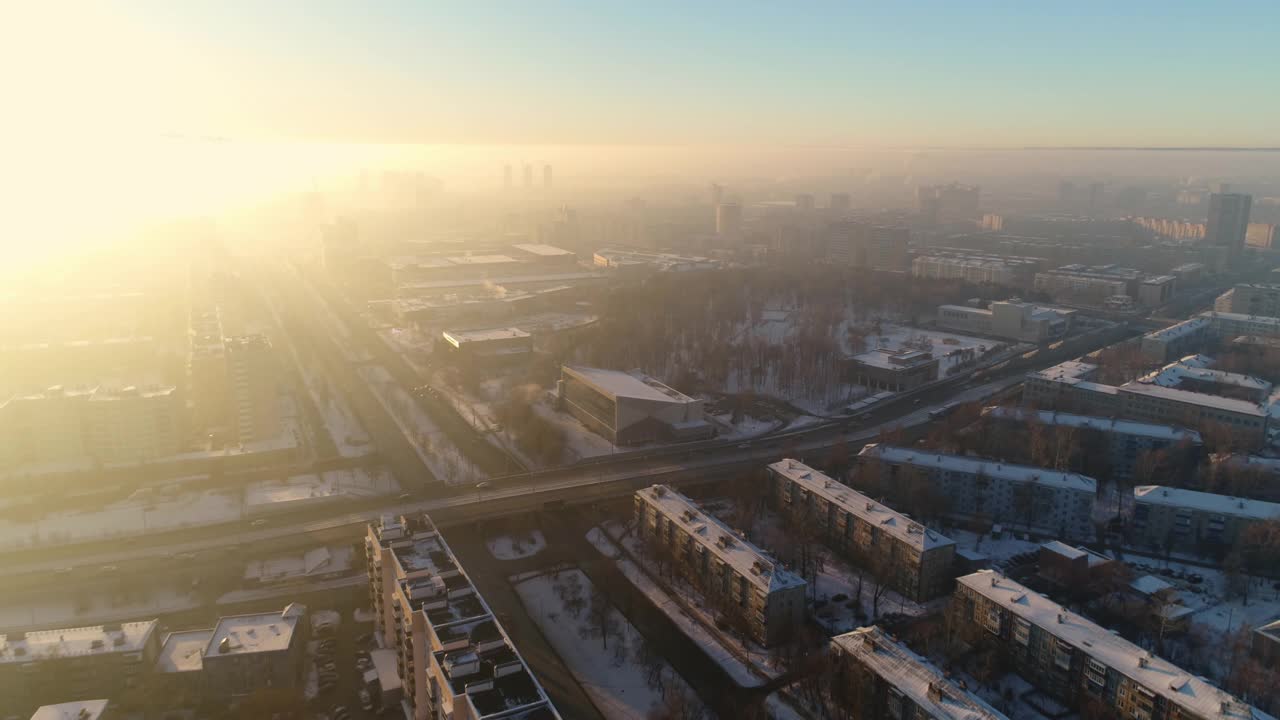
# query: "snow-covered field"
x,y
514,547
624,679
357,482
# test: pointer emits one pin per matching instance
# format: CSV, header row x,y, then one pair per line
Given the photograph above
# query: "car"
x,y
258,523
363,665
483,484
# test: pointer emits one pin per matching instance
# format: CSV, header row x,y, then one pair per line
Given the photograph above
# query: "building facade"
x,y
1009,319
893,370
255,388
1253,299
1228,221
1191,520
736,577
629,408
914,560
863,245
70,664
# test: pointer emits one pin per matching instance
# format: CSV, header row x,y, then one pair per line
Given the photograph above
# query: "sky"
x,y
865,74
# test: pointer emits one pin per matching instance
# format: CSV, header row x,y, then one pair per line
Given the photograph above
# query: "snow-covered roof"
x,y
481,259
183,651
1154,673
462,337
1150,585
864,508
1255,320
1182,329
973,466
1240,407
79,710
72,642
634,384
1208,502
1071,371
750,562
541,249
1103,424
263,632
1193,368
927,686
1063,549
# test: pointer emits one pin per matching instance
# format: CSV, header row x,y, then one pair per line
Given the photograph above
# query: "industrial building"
x,y
914,560
629,408
734,575
635,260
885,680
984,490
455,661
83,663
1189,520
1009,319
893,370
487,348
1073,659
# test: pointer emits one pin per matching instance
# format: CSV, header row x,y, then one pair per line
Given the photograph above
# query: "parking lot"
x,y
338,657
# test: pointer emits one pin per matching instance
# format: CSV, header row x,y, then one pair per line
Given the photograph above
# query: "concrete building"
x,y
840,202
1009,319
1228,222
884,680
1072,567
1089,283
975,268
914,560
246,653
1126,440
1071,385
1175,341
1188,273
1073,659
179,668
1252,299
628,408
634,260
1156,291
79,710
736,577
893,370
980,489
948,203
82,663
255,388
455,660
864,245
1233,325
487,348
545,255
1265,236
1265,644
1191,520
207,378
729,220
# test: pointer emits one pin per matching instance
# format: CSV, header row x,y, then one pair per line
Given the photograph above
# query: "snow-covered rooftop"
x,y
263,632
927,686
1175,374
183,651
1241,407
79,710
1150,585
1208,502
72,642
462,337
541,249
634,384
869,511
720,540
1063,549
1071,371
1152,672
481,259
1255,320
1090,422
1186,327
973,466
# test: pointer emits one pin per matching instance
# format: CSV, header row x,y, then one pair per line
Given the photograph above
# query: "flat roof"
x,y
1208,502
973,466
183,651
1154,673
1257,320
262,632
79,710
633,384
75,642
541,249
720,540
1071,371
928,687
1178,330
461,337
1194,368
855,503
1063,549
1240,407
481,259
1091,422
890,359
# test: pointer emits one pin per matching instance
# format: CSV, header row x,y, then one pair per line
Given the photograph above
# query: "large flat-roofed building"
x,y
489,347
1045,500
628,408
1156,291
455,660
914,560
82,663
1008,319
246,653
893,370
1073,659
1232,325
179,668
1176,340
975,267
639,260
1188,519
78,710
543,254
734,575
884,680
1127,440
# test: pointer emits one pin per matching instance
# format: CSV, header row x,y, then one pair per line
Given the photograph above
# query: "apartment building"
x,y
1176,340
1088,282
1126,440
1232,324
1074,660
1253,299
1188,519
914,560
1071,384
247,653
454,659
975,268
882,679
84,663
863,245
734,575
255,391
980,489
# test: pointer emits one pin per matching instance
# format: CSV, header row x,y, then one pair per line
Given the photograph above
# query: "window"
x,y
1022,631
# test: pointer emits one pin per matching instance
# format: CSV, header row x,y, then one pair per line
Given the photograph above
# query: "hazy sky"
x,y
861,73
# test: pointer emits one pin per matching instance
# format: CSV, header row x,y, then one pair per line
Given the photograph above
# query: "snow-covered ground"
x,y
997,549
514,547
613,669
340,422
951,349
1016,698
357,482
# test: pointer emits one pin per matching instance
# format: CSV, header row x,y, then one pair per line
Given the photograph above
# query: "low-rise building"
x,y
1074,660
985,490
893,370
1071,567
914,560
737,578
78,710
639,260
882,679
1176,340
75,663
1265,643
1188,519
246,653
1009,319
629,408
488,348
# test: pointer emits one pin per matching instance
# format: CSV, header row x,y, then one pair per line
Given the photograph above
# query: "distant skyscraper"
x,y
728,219
528,176
717,194
840,201
1228,221
546,176
804,201
506,177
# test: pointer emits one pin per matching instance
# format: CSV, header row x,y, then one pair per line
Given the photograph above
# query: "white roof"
x,y
913,676
1071,371
1157,675
1150,585
864,508
748,560
462,337
264,632
80,710
481,259
1194,368
541,249
1185,327
973,466
69,642
183,651
1241,407
634,384
1257,320
1090,422
1208,502
1064,549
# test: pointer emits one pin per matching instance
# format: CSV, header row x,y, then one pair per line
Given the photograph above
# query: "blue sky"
x,y
853,73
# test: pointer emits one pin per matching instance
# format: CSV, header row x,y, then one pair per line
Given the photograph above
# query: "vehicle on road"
x,y
258,523
483,484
